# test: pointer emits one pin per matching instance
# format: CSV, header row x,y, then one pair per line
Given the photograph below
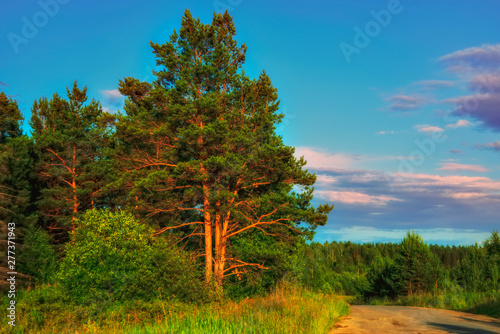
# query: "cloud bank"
x,y
372,198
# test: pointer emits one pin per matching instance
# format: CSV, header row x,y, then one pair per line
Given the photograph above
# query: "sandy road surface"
x,y
369,319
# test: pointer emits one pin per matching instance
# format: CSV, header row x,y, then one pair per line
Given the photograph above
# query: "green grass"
x,y
287,310
485,303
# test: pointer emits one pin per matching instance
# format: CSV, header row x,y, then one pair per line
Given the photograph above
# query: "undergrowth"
x,y
287,310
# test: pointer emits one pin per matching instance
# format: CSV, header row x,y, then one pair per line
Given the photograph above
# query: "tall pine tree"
x,y
71,139
198,152
17,186
417,270
10,119
16,161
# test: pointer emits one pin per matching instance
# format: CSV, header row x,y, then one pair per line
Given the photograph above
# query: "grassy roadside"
x,y
287,310
485,303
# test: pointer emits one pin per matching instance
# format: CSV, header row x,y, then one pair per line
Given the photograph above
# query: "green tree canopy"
x,y
492,244
198,150
416,268
10,128
10,119
71,139
18,188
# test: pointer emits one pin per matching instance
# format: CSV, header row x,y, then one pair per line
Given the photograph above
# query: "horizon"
x,y
397,116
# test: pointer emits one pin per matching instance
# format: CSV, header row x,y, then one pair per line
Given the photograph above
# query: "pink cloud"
x,y
319,159
434,84
467,195
353,197
493,146
324,160
406,102
432,200
428,128
485,57
359,192
455,181
325,179
456,167
485,83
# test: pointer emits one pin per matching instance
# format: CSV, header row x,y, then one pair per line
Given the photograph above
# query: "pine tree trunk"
x,y
222,226
208,235
73,185
219,265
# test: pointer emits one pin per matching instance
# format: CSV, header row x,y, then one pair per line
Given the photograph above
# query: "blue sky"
x,y
395,104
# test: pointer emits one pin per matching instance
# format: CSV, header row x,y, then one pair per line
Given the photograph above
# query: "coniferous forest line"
x,y
188,213
409,273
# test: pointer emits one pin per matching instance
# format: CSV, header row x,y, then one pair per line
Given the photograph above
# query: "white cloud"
x,y
428,128
353,197
112,94
483,183
461,123
323,160
112,100
391,132
325,179
319,159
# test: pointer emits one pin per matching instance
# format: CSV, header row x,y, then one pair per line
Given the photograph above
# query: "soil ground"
x,y
368,319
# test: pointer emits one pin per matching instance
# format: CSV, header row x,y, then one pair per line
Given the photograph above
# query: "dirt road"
x,y
369,319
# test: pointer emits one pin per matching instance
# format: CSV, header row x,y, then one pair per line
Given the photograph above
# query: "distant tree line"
x,y
401,269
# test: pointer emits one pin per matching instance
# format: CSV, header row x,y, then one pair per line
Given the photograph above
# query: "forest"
x,y
188,212
409,273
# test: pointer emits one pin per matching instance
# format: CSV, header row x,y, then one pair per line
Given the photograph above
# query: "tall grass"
x,y
287,310
486,303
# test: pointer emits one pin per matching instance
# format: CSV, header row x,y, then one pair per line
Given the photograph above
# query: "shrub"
x,y
113,257
37,258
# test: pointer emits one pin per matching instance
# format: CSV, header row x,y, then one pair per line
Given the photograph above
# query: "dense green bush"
x,y
37,257
280,257
380,276
479,271
471,271
353,284
113,257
